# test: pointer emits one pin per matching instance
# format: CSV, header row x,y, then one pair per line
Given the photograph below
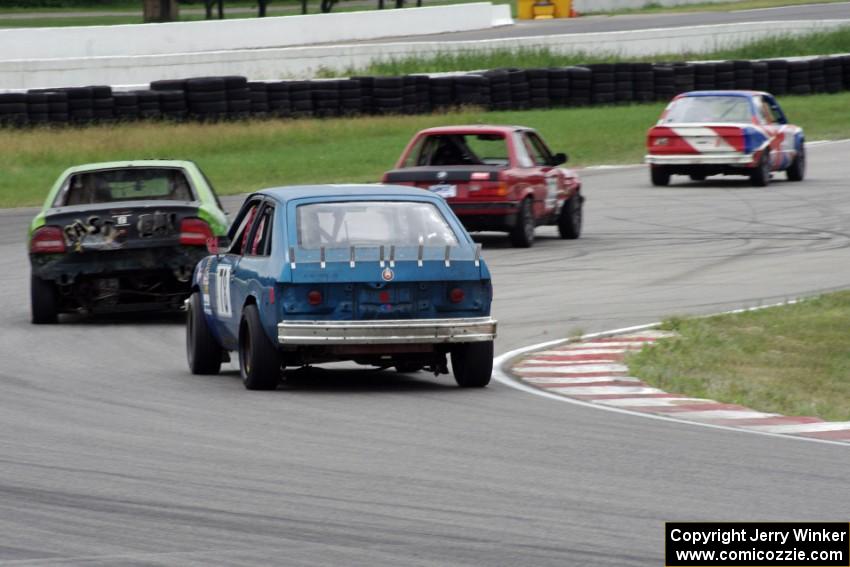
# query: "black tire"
x,y
472,364
660,176
203,352
569,221
760,175
259,363
44,301
797,170
522,234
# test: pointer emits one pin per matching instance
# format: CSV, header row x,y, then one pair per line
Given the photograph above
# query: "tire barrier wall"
x,y
234,97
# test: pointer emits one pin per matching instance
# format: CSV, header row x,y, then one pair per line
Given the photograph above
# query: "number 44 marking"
x,y
222,284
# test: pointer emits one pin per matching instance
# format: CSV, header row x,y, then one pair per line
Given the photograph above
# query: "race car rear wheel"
x,y
259,363
472,364
569,222
203,352
660,176
522,234
797,171
760,175
44,301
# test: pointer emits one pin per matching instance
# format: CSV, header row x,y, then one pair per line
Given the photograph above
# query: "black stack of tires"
x,y
278,103
845,66
833,74
350,97
207,98
799,82
126,106
80,104
520,89
367,86
499,87
538,87
777,76
684,77
559,86
705,76
761,76
103,105
665,88
422,98
259,97
173,105
57,107
13,109
724,74
443,92
238,96
644,82
301,98
388,95
325,98
624,82
816,75
580,85
603,83
148,102
743,75
471,90
38,110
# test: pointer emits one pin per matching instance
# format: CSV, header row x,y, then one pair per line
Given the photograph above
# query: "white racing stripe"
x,y
606,390
581,379
648,402
724,414
802,427
574,368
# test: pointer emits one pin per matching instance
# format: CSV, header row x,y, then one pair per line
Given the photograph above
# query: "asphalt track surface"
x,y
113,454
628,22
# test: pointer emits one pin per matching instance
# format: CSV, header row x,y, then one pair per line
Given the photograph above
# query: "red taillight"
x,y
48,240
314,297
384,297
195,232
456,295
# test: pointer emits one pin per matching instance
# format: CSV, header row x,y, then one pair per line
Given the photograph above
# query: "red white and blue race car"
x,y
703,133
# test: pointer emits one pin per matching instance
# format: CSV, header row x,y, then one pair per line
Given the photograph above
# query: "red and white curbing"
x,y
593,371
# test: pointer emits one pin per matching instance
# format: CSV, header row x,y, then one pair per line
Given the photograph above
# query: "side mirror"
x,y
217,244
559,158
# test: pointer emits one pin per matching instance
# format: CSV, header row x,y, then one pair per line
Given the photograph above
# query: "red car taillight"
x,y
456,295
195,232
48,240
314,297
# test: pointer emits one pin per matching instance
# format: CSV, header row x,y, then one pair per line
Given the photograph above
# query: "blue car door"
x,y
225,289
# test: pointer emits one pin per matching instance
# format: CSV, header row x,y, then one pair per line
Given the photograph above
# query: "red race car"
x,y
500,178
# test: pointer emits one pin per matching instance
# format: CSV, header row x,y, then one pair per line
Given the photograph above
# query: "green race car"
x,y
121,236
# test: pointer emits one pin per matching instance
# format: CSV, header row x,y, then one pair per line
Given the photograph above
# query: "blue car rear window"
x,y
372,223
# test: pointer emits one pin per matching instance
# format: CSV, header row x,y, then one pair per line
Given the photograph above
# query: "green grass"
x,y
244,156
791,360
823,43
654,8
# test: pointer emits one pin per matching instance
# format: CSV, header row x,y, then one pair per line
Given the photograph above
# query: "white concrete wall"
x,y
591,6
247,33
273,64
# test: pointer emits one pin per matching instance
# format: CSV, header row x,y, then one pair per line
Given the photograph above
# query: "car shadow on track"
x,y
134,318
719,183
320,380
501,241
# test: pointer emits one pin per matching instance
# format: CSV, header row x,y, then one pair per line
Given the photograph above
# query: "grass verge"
x,y
655,8
244,156
820,43
791,360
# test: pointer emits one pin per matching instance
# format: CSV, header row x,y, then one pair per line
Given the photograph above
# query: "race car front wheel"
x,y
797,171
259,363
472,364
569,222
203,352
44,301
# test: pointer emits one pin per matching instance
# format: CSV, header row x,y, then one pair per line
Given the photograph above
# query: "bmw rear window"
x,y
130,184
372,223
691,109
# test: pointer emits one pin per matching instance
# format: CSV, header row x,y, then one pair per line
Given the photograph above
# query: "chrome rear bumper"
x,y
701,159
393,331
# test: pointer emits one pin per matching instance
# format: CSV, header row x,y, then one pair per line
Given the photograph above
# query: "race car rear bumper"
x,y
392,331
701,159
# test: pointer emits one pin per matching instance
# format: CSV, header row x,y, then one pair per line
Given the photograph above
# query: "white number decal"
x,y
551,192
222,288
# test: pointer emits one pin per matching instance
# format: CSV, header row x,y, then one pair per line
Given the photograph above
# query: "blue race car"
x,y
380,275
